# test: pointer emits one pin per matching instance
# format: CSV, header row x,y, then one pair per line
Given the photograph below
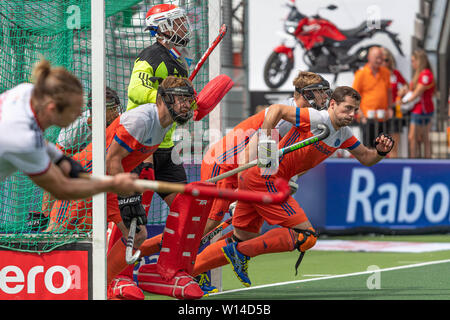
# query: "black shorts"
x,y
166,170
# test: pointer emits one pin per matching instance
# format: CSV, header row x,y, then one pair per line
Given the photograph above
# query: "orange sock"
x,y
211,257
275,240
116,260
151,246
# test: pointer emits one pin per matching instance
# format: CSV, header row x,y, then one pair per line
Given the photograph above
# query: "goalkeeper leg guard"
x,y
181,239
183,232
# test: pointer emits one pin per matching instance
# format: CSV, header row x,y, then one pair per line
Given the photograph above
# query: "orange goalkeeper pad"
x,y
211,95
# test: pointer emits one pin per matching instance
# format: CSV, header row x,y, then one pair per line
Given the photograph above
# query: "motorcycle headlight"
x,y
290,27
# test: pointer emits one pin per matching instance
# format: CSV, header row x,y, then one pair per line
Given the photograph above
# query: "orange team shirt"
x,y
137,130
223,154
308,157
372,88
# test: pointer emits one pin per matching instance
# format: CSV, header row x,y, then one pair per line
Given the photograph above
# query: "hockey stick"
x,y
197,191
301,144
207,237
222,32
211,191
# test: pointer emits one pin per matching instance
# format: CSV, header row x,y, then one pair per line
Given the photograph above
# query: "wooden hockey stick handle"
x,y
159,186
281,194
209,191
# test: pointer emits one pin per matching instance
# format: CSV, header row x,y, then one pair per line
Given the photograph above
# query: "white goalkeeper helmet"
x,y
169,23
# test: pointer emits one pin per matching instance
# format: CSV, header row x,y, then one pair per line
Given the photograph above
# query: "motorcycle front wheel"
x,y
277,69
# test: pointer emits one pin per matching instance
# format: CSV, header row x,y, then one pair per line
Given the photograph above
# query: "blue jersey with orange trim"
x,y
138,131
308,157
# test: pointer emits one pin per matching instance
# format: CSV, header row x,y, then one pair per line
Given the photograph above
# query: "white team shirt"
x,y
343,137
22,145
143,126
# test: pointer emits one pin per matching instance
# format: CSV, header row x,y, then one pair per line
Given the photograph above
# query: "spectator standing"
x,y
421,90
373,84
396,120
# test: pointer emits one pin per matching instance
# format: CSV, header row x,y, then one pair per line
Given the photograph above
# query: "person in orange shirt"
x,y
296,231
373,84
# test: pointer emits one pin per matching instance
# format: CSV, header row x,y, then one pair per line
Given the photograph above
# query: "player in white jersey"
x,y
55,98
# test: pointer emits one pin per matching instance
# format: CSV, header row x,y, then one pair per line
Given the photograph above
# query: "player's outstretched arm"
x,y
65,188
275,113
367,156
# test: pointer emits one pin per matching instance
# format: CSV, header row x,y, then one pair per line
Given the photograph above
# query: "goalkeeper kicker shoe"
x,y
239,263
124,288
204,282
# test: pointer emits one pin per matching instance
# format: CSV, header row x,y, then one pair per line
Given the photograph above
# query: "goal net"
x,y
60,31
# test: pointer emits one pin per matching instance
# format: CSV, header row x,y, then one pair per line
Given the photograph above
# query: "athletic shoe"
x,y
238,261
204,282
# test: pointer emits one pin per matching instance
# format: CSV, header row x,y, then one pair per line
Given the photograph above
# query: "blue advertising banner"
x,y
396,194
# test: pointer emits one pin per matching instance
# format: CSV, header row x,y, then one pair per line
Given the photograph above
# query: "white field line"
x,y
336,276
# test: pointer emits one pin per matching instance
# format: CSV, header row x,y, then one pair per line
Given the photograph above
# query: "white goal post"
x,y
99,251
98,148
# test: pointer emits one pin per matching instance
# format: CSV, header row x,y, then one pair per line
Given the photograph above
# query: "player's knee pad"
x,y
306,239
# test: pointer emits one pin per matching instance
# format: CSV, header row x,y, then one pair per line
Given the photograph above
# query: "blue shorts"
x,y
421,119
